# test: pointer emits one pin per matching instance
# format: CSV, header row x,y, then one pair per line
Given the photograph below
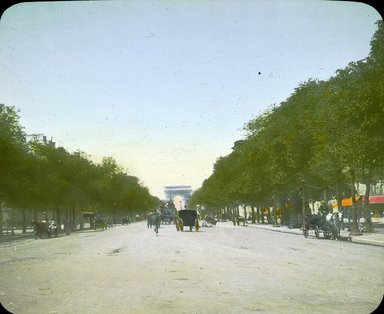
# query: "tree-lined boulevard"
x,y
326,137
222,269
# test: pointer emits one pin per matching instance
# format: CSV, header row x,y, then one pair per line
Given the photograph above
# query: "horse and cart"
x,y
209,221
329,225
189,218
167,215
47,228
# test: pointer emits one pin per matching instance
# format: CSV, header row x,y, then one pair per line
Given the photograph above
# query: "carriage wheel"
x,y
317,232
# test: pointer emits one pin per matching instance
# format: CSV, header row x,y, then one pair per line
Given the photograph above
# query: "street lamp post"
x,y
275,224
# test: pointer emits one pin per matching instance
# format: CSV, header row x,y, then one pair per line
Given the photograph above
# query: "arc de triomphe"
x,y
183,191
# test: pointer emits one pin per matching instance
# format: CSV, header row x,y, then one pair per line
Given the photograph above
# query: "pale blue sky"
x,y
165,87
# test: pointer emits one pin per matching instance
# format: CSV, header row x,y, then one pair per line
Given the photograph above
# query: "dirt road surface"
x,y
222,269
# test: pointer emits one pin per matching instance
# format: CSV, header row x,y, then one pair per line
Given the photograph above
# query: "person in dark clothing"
x,y
323,211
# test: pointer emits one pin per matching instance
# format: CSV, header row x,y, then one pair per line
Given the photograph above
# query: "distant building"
x,y
183,191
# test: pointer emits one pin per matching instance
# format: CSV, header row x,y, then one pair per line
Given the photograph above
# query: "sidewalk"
x,y
376,238
19,235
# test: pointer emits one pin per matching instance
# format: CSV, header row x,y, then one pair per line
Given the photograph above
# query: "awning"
x,y
348,201
375,199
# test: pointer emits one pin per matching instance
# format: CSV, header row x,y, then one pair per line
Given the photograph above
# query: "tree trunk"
x,y
58,217
253,214
354,228
262,216
304,199
274,211
367,212
24,222
258,213
73,219
1,220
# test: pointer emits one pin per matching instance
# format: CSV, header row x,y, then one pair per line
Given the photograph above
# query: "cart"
x,y
329,227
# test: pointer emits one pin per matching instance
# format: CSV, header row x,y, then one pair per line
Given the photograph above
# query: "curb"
x,y
353,239
372,242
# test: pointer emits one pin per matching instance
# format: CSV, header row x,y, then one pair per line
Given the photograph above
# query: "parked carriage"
x,y
126,220
329,225
101,222
189,218
43,227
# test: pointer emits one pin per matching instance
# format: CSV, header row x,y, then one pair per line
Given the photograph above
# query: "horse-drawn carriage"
x,y
329,225
209,221
187,217
167,215
100,222
126,220
48,228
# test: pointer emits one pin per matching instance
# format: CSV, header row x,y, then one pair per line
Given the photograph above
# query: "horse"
x,y
334,223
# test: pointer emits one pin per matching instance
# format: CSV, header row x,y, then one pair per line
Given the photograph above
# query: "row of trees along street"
x,y
36,176
318,142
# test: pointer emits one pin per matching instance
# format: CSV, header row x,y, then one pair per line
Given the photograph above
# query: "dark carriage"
x,y
209,221
167,215
101,222
311,222
187,217
126,220
330,228
42,227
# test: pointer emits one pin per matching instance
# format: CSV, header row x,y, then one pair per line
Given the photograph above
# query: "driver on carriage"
x,y
323,211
